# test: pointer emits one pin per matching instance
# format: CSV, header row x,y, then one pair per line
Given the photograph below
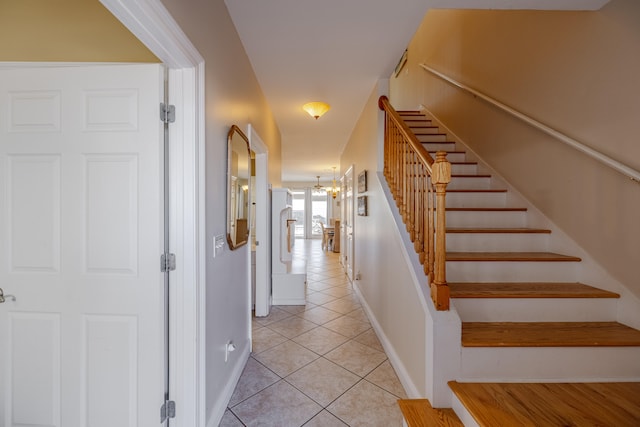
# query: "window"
x,y
298,212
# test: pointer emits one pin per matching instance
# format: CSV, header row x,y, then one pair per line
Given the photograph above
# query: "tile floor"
x,y
319,365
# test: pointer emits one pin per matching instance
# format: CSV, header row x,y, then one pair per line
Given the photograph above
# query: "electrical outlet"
x,y
230,347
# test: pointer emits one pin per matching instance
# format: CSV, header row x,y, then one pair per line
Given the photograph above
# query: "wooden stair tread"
x,y
420,413
498,230
485,209
548,334
527,290
477,190
510,256
551,404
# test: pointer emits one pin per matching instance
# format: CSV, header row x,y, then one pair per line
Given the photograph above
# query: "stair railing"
x,y
419,186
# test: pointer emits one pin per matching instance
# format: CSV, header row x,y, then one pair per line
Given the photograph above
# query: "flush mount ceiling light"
x,y
316,108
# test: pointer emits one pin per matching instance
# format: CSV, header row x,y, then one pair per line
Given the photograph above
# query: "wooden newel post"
x,y
440,177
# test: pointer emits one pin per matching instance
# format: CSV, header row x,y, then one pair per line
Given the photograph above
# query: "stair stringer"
x,y
443,328
589,270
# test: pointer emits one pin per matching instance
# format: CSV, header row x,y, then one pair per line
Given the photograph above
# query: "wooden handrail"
x,y
419,186
631,173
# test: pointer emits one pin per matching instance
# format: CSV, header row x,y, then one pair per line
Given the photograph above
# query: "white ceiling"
x,y
335,51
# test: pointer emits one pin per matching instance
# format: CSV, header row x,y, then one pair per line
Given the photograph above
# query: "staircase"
x,y
525,317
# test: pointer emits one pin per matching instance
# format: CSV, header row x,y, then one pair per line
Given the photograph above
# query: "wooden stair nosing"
x,y
510,257
549,334
485,209
527,290
477,190
420,413
551,404
467,230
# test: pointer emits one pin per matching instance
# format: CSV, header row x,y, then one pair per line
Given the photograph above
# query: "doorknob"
x,y
3,297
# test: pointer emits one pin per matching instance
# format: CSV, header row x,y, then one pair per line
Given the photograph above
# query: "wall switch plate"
x,y
218,245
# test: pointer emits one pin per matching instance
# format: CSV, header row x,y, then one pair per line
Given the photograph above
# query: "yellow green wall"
x,y
65,31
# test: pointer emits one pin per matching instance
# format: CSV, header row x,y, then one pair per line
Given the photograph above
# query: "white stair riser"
x,y
452,157
435,137
548,364
469,183
476,200
513,271
459,169
422,130
494,219
433,144
536,309
497,242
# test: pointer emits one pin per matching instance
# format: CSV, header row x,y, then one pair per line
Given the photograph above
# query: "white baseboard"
x,y
394,359
217,412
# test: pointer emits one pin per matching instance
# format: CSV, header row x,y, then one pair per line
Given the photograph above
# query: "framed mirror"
x,y
238,187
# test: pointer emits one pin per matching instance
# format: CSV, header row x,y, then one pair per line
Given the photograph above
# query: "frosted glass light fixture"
x,y
316,108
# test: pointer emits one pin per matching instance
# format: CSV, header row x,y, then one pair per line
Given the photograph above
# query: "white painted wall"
x,y
232,96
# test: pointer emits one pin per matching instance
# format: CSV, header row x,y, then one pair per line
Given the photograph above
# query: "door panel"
x,y
81,225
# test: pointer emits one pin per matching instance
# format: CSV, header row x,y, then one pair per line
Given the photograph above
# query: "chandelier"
x,y
334,188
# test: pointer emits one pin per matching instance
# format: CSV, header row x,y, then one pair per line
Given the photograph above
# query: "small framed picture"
x,y
362,181
362,205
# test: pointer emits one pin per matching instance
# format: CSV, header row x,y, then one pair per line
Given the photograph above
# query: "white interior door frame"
x,y
263,209
152,24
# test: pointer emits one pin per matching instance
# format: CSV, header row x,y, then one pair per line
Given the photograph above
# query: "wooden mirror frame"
x,y
238,188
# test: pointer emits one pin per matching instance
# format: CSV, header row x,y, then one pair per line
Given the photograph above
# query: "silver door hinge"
x,y
168,410
167,113
167,262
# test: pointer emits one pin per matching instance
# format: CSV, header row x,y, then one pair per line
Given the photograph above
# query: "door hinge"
x,y
168,410
167,262
167,113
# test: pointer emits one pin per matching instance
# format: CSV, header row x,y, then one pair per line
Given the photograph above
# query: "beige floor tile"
x,y
255,377
320,315
319,298
337,292
359,314
292,326
324,419
265,338
280,405
356,357
347,326
293,309
366,405
318,286
370,339
321,340
322,381
384,376
286,358
276,314
342,305
230,420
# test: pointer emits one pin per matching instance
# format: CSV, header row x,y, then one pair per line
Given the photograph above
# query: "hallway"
x,y
319,364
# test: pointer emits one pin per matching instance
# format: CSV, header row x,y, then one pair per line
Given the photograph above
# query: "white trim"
x,y
263,271
155,27
632,174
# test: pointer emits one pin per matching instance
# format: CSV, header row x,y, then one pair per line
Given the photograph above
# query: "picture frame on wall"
x,y
362,181
362,205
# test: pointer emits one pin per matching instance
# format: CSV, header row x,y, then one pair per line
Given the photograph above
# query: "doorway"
x,y
347,225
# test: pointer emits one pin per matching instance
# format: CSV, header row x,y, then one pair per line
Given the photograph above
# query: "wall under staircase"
x,y
532,306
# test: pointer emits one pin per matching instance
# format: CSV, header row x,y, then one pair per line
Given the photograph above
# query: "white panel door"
x,y
80,239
